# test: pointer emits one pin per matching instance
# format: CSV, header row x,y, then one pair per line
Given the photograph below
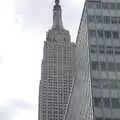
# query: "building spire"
x,y
57,16
57,2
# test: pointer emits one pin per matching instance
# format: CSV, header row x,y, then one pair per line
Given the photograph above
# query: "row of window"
x,y
55,83
61,60
105,84
44,118
99,118
106,102
107,34
103,5
104,19
105,66
102,49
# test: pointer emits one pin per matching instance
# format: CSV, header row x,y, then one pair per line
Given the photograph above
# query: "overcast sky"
x,y
23,27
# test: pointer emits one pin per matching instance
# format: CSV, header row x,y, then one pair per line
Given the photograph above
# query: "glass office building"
x,y
96,90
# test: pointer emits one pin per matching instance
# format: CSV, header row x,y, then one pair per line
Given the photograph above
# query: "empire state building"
x,y
57,70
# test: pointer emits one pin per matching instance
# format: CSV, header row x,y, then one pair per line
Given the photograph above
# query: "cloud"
x,y
7,112
32,11
0,59
21,104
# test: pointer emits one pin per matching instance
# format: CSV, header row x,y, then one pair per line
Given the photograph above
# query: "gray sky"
x,y
23,25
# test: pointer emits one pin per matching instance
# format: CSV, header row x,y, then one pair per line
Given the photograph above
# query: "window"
x,y
101,49
106,19
113,84
98,19
115,34
117,50
119,20
118,67
109,50
116,119
111,67
98,5
97,102
91,4
118,6
93,49
106,102
105,5
94,5
104,84
108,118
98,118
95,83
100,33
103,65
107,34
49,112
114,20
92,33
95,65
112,5
115,103
91,18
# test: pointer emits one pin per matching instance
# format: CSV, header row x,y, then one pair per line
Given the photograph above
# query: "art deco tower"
x,y
57,70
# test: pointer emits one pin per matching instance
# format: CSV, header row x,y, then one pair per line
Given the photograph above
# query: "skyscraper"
x,y
96,90
57,70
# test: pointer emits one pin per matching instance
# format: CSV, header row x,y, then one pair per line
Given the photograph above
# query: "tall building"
x,y
57,70
96,91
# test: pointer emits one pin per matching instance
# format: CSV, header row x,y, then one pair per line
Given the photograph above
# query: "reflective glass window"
x,y
114,20
103,65
92,33
109,50
106,19
106,102
95,65
118,67
115,103
107,34
117,50
112,5
93,49
118,6
99,19
97,102
100,33
98,118
91,18
115,34
105,5
101,49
